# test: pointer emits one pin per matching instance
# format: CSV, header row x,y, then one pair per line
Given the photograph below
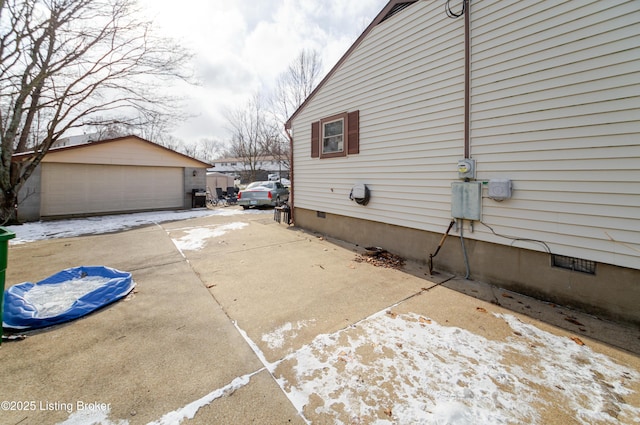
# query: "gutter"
x,y
291,176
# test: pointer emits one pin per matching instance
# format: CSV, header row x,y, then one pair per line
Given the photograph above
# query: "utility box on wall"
x,y
466,200
500,189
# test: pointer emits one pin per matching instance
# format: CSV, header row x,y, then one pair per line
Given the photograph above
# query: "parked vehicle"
x,y
263,193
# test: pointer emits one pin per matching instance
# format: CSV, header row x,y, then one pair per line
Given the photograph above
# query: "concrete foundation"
x,y
612,292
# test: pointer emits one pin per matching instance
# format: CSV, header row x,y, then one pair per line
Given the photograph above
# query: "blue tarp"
x,y
104,285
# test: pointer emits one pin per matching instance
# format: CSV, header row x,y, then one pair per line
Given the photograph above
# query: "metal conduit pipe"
x,y
464,250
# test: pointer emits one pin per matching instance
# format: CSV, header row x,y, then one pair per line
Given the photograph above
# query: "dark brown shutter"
x,y
353,133
315,139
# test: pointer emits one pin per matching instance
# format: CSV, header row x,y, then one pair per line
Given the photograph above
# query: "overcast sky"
x,y
241,46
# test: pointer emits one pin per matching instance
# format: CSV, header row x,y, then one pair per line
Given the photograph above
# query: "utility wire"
x,y
451,13
518,239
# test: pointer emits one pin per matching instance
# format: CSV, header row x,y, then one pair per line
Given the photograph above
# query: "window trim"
x,y
351,135
345,126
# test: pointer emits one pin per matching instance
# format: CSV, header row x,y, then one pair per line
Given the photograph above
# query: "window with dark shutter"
x,y
336,136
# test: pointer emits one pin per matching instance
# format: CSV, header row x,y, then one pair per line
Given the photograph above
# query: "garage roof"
x,y
127,150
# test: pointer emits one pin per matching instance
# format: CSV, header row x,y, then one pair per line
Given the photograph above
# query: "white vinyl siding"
x,y
69,189
555,108
407,80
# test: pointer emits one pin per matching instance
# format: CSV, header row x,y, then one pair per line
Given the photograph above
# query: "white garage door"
x,y
88,189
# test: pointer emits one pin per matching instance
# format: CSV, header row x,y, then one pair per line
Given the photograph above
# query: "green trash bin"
x,y
5,235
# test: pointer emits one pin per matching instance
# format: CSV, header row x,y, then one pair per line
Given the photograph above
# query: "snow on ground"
x,y
401,369
189,411
39,230
92,416
196,238
277,338
408,369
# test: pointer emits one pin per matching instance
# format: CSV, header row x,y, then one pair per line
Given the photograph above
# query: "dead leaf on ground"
x,y
577,340
481,309
388,411
382,259
399,344
507,295
573,320
425,320
392,314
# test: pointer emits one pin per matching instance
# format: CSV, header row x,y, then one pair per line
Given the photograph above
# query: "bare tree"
x,y
109,131
66,64
295,84
293,87
252,133
208,150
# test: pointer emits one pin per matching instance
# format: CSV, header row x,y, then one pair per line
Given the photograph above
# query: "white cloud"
x,y
241,46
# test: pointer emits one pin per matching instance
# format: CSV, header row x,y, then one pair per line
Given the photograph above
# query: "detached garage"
x,y
119,175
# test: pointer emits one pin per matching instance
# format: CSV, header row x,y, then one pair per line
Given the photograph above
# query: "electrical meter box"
x,y
500,189
467,168
466,200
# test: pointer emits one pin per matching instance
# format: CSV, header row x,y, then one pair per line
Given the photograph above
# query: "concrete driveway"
x,y
238,319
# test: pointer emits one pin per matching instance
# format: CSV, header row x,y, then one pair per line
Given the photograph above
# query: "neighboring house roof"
x,y
66,152
236,159
393,7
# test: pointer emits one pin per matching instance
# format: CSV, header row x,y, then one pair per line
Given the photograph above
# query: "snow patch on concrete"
x,y
189,411
443,374
196,238
92,416
276,338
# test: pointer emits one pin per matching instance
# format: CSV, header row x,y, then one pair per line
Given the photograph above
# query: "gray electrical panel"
x,y
466,200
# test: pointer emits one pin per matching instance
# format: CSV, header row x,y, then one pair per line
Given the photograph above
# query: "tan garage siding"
x,y
69,189
555,107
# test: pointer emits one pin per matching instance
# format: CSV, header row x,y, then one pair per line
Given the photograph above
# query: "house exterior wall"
x,y
194,178
237,166
555,101
556,108
407,81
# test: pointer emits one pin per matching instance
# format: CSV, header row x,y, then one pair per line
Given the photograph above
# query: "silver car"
x,y
258,194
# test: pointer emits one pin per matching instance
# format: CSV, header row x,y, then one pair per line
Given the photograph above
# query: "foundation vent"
x,y
572,263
